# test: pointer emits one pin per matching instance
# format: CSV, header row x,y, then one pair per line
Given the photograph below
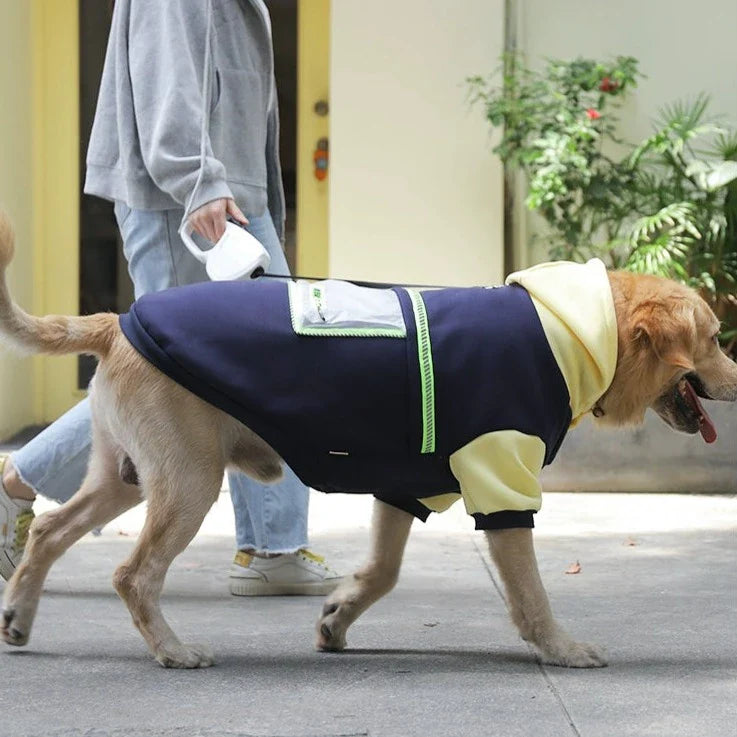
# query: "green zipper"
x,y
427,376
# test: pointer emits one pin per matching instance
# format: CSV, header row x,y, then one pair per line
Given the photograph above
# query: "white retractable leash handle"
x,y
237,255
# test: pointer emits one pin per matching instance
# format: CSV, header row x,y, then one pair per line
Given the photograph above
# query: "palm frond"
x,y
663,256
677,218
725,145
684,116
678,125
714,231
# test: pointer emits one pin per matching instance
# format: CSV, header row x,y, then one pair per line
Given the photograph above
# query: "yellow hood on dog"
x,y
566,296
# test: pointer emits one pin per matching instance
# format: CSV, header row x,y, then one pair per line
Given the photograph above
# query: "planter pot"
x,y
650,458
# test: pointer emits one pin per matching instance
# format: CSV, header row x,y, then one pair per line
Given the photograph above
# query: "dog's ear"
x,y
668,328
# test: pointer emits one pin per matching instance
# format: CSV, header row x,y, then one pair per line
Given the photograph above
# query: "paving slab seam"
x,y
543,672
558,697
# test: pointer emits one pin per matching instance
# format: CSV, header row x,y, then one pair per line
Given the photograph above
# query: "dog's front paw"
x,y
187,656
573,654
331,630
16,625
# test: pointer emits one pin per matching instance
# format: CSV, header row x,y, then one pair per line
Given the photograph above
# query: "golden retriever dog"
x,y
156,440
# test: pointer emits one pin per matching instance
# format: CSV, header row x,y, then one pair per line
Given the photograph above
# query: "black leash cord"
x,y
258,273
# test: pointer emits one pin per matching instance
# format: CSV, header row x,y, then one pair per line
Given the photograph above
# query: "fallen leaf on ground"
x,y
574,568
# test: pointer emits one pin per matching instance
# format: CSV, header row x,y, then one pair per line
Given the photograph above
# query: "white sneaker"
x,y
16,516
298,574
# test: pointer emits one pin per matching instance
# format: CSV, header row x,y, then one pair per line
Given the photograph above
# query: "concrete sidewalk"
x,y
438,656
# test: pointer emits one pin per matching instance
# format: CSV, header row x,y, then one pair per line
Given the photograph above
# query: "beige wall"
x,y
415,193
684,48
16,374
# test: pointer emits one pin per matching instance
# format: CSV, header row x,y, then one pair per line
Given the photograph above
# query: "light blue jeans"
x,y
269,519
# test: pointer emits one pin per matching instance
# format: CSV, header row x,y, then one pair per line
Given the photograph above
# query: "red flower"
x,y
607,85
593,114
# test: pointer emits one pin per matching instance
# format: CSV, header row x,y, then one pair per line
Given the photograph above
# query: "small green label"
x,y
317,295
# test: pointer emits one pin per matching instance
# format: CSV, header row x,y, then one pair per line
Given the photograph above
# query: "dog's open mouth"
x,y
687,393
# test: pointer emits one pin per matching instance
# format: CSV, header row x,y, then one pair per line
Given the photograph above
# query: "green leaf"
x,y
725,145
720,175
711,176
677,215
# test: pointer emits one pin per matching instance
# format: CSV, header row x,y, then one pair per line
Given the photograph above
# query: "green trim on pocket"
x,y
427,374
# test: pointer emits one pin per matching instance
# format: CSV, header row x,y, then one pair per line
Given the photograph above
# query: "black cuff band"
x,y
504,520
407,504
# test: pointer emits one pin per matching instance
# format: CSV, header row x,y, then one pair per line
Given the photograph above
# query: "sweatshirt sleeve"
x,y
166,50
499,478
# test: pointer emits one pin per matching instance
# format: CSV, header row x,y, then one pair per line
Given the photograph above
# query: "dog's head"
x,y
669,355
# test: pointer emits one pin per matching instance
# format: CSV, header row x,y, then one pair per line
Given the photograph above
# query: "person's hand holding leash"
x,y
209,220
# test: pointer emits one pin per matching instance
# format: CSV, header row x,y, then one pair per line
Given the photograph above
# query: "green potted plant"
x,y
666,206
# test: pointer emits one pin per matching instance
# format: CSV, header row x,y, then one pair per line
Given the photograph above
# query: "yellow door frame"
x,y
56,190
313,79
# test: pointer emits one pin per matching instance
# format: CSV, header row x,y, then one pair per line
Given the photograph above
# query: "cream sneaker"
x,y
295,574
16,516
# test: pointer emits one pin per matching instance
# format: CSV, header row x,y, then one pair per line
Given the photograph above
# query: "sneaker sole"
x,y
248,587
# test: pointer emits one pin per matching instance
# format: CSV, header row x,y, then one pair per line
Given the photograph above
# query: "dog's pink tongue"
x,y
708,431
706,426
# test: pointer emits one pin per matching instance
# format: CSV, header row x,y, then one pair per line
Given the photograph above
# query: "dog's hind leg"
x,y
514,555
101,498
389,531
177,504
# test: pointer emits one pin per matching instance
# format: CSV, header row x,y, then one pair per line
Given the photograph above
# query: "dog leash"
x,y
260,273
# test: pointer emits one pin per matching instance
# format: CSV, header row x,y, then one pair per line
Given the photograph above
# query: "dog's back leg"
x,y
177,504
102,497
389,532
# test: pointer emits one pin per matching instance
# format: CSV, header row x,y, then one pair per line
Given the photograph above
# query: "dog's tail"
x,y
58,334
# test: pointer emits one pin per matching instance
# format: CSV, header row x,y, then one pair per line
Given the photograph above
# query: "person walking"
x,y
186,130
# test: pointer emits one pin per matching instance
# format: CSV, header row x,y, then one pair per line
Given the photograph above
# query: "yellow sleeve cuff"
x,y
500,471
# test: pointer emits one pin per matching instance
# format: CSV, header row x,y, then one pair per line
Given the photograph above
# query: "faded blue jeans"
x,y
269,519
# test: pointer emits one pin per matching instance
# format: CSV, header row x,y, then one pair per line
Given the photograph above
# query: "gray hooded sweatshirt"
x,y
146,138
